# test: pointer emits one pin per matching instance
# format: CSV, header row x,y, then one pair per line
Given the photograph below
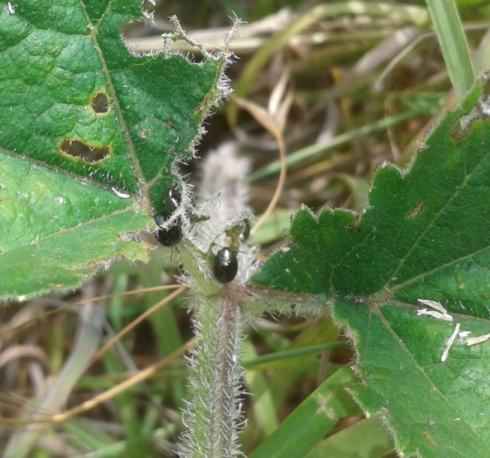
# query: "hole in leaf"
x,y
100,103
83,151
173,42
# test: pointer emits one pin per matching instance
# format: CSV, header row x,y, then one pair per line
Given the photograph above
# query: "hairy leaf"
x,y
88,134
424,236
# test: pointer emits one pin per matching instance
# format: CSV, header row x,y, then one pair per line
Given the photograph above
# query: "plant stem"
x,y
212,418
454,46
228,379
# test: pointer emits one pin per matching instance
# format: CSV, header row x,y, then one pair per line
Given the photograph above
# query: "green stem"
x,y
316,151
212,418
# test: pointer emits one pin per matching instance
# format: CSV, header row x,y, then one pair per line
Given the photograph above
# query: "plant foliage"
x,y
424,237
88,135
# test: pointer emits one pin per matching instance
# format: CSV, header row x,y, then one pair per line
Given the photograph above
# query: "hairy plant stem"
x,y
212,418
228,354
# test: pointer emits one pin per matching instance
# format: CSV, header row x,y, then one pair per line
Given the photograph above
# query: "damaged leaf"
x,y
88,135
423,239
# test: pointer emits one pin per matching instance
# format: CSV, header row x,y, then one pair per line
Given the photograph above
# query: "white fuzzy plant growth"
x,y
213,415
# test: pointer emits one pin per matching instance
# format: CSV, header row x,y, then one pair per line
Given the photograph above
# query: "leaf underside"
x,y
88,134
425,235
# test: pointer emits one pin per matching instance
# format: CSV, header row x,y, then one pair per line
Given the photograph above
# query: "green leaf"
x,y
88,134
424,236
56,230
438,409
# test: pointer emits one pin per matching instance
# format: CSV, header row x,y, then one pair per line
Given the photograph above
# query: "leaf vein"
x,y
122,121
420,369
467,177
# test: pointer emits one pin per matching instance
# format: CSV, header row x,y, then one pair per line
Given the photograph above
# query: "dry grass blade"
x,y
123,386
105,396
275,128
110,343
22,351
153,289
248,38
12,329
12,403
57,392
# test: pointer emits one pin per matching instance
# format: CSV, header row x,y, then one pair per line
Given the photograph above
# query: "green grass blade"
x,y
292,353
311,420
260,388
323,150
368,438
454,46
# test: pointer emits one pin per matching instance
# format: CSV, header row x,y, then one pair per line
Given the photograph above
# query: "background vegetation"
x,y
351,86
